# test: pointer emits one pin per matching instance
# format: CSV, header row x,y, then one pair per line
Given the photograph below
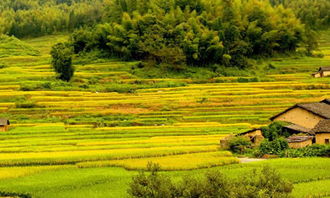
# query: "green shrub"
x,y
26,104
266,183
2,66
274,131
239,144
62,61
273,147
152,185
310,151
121,88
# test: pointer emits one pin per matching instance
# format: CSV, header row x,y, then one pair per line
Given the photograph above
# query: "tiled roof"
x,y
249,131
321,109
324,69
296,139
298,128
326,101
322,127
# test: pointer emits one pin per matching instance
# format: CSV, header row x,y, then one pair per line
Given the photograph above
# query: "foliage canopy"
x,y
199,32
62,61
266,183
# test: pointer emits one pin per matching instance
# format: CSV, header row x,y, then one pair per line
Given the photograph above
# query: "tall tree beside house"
x,y
62,61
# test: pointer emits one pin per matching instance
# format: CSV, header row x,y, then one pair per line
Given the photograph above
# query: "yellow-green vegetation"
x,y
11,46
73,137
173,162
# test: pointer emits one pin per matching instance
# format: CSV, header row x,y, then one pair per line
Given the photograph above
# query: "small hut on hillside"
x,y
4,124
322,72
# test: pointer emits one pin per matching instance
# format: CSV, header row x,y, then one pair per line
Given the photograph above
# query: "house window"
x,y
327,141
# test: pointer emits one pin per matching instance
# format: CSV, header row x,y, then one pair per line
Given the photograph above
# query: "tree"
x,y
264,183
152,185
62,61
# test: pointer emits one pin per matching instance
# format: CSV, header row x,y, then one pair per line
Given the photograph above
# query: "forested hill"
x,y
201,33
175,33
23,18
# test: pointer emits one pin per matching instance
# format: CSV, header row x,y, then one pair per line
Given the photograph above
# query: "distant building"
x,y
322,72
4,124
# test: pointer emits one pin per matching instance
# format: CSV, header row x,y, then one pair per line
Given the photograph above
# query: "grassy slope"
x,y
190,117
309,178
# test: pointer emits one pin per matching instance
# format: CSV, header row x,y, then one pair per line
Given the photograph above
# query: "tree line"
x,y
314,13
41,17
23,18
194,32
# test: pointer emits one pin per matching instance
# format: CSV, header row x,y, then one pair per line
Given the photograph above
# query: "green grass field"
x,y
87,138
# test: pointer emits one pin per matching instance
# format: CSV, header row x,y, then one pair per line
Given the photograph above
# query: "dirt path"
x,y
247,160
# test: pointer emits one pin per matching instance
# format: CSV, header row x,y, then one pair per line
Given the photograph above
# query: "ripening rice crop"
x,y
173,162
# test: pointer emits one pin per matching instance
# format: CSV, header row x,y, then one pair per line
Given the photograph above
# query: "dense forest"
x,y
23,18
195,32
314,13
176,33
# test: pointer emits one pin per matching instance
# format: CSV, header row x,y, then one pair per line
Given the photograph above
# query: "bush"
x,y
121,88
310,151
273,147
266,183
152,185
274,131
26,104
239,144
2,66
62,61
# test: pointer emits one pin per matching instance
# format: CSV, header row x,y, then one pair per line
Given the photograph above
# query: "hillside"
x,y
156,81
107,117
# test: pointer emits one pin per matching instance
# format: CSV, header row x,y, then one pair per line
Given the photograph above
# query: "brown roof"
x,y
297,128
320,109
324,69
296,139
326,101
249,131
4,122
322,127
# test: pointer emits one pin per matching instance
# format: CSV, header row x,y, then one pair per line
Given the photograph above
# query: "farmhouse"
x,y
310,119
4,124
308,123
305,115
322,72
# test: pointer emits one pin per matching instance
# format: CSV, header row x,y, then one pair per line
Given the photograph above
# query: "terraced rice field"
x,y
87,128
